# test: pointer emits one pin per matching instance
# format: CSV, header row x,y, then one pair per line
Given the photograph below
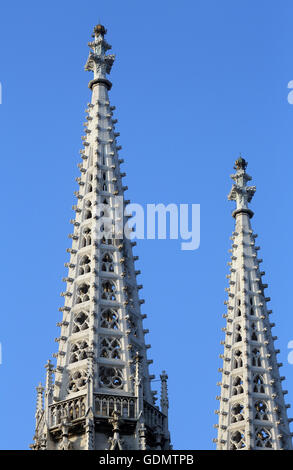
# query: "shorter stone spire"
x,y
253,412
39,437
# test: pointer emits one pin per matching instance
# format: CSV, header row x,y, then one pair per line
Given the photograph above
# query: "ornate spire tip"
x,y
240,164
100,29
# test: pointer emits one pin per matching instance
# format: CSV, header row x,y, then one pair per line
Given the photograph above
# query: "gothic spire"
x,y
102,382
253,413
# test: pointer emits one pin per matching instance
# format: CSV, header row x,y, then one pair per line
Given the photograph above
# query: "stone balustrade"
x,y
106,404
67,410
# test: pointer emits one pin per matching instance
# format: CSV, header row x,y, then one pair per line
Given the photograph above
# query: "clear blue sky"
x,y
194,83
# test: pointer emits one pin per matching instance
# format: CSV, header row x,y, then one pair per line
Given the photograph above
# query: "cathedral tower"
x,y
101,396
253,413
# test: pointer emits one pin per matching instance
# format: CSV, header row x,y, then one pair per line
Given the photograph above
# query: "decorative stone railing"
x,y
153,416
67,409
106,404
75,408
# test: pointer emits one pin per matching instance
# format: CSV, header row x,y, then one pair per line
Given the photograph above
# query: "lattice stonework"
x,y
253,413
101,397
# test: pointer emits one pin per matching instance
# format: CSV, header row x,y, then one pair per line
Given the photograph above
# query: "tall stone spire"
x,y
253,413
101,397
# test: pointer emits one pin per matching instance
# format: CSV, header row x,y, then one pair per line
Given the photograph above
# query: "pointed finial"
x,y
90,363
138,391
39,387
114,420
137,359
49,375
240,164
164,393
98,61
40,390
99,29
240,192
